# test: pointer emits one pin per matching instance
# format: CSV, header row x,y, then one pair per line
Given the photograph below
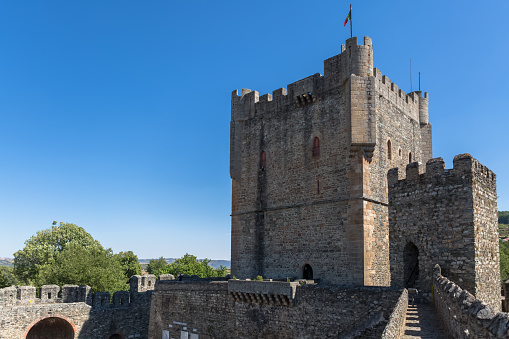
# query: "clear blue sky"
x,y
115,114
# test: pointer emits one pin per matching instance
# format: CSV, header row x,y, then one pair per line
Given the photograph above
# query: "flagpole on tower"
x,y
351,21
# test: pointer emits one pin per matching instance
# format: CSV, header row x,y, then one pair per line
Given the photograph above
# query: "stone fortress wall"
x,y
446,217
90,317
463,315
326,210
204,309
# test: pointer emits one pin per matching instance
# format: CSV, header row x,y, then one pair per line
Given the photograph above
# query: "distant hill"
x,y
213,263
6,262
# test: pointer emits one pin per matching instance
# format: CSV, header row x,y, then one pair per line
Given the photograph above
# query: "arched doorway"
x,y
51,328
116,336
307,272
411,264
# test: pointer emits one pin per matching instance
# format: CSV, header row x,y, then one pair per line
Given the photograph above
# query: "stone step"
x,y
422,322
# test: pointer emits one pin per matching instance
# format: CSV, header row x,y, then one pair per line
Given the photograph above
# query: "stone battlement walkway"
x,y
422,322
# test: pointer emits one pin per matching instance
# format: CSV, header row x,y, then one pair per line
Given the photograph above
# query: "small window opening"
x,y
316,147
307,272
263,160
49,295
149,283
410,157
389,155
318,186
400,152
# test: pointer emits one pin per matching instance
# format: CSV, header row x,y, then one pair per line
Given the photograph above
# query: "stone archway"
x,y
307,272
411,264
51,327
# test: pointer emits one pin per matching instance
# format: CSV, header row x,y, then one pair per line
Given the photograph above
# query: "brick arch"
x,y
63,317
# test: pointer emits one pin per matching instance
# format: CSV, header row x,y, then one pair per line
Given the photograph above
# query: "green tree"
x,y
67,254
45,246
157,266
130,263
504,260
7,277
93,266
503,217
190,265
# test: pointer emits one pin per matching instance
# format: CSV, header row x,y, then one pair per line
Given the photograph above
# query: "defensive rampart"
x,y
463,315
274,309
90,316
447,217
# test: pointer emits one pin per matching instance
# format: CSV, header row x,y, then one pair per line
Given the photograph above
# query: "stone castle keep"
x,y
339,204
320,199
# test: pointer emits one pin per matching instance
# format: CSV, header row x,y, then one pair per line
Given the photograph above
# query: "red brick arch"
x,y
50,316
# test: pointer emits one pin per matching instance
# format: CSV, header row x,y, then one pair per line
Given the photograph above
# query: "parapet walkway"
x,y
422,322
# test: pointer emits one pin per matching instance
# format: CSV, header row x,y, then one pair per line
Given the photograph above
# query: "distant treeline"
x,y
503,217
212,263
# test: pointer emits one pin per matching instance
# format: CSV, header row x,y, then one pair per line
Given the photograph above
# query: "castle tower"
x,y
309,171
446,217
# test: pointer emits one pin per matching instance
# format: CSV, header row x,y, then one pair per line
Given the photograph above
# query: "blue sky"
x,y
115,114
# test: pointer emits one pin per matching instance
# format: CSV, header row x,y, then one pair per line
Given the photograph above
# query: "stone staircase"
x,y
422,322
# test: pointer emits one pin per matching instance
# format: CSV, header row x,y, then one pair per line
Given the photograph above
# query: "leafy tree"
x,y
130,263
45,246
503,217
190,265
504,260
67,254
7,277
157,266
93,266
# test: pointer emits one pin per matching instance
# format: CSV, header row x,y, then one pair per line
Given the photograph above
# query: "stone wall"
x,y
465,316
326,210
252,309
396,325
447,217
98,316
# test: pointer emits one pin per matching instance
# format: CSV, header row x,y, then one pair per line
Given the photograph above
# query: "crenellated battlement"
x,y
353,61
449,217
48,294
51,294
300,93
463,165
413,104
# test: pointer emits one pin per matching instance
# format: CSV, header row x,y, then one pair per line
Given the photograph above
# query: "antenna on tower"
x,y
419,81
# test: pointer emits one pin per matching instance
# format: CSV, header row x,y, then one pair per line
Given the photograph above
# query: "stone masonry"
x,y
85,316
204,309
327,210
449,217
